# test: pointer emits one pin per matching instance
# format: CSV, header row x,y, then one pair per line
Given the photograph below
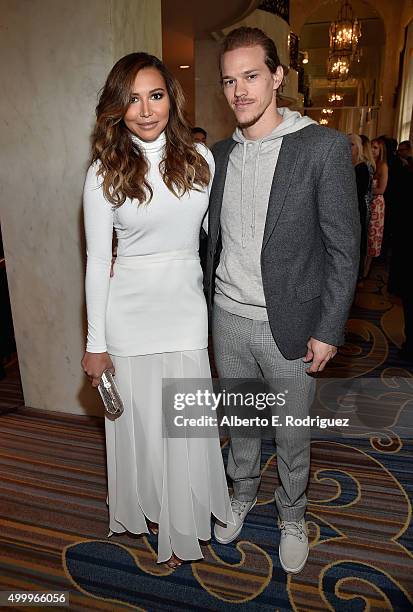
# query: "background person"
x,y
377,206
363,181
400,281
404,151
199,135
371,165
394,190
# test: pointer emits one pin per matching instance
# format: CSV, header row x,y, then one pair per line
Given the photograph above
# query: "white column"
x,y
55,58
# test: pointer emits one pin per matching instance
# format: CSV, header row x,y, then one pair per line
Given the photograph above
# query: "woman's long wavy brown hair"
x,y
123,166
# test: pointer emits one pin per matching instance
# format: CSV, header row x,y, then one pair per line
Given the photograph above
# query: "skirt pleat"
x,y
175,482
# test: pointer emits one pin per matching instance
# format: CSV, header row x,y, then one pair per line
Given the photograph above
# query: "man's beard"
x,y
252,121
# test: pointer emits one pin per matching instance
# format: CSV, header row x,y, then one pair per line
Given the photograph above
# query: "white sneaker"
x,y
293,549
227,533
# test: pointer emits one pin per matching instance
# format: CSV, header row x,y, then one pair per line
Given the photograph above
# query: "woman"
x,y
150,182
376,225
371,165
362,182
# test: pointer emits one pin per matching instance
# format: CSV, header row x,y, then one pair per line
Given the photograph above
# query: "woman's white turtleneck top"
x,y
166,224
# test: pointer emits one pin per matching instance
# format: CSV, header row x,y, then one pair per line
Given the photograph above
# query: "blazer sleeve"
x,y
340,229
98,217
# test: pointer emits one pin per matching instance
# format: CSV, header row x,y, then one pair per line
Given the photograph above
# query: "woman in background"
x,y
150,182
362,182
371,165
377,207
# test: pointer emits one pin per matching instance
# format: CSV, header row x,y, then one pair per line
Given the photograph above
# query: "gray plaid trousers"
x,y
245,348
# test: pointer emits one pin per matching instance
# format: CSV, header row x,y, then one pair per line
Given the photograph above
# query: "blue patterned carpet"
x,y
53,517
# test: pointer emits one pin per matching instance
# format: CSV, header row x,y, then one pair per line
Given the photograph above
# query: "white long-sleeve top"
x,y
167,223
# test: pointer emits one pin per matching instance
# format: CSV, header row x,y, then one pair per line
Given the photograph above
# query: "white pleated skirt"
x,y
175,482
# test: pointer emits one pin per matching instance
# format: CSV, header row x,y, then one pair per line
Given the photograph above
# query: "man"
x,y
283,247
400,278
199,135
404,151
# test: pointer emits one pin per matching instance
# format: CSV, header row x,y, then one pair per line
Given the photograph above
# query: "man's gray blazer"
x,y
310,249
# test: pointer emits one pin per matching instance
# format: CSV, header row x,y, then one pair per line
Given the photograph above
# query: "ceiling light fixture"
x,y
345,32
335,97
337,68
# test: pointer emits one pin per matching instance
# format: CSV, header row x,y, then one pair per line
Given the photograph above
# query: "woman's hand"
x,y
94,364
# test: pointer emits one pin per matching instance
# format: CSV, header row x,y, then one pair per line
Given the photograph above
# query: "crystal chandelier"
x,y
345,32
338,67
323,121
327,111
334,97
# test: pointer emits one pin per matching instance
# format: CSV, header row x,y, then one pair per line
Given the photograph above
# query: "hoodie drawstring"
x,y
244,156
256,171
255,186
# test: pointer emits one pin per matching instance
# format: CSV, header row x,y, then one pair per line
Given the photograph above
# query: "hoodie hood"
x,y
291,122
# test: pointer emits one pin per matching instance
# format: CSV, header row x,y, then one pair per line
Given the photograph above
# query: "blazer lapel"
x,y
218,185
284,170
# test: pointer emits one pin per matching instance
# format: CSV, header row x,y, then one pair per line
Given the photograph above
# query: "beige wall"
x,y
405,108
136,26
55,57
211,108
178,46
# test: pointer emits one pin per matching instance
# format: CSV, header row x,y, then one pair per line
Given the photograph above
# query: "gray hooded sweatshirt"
x,y
248,183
